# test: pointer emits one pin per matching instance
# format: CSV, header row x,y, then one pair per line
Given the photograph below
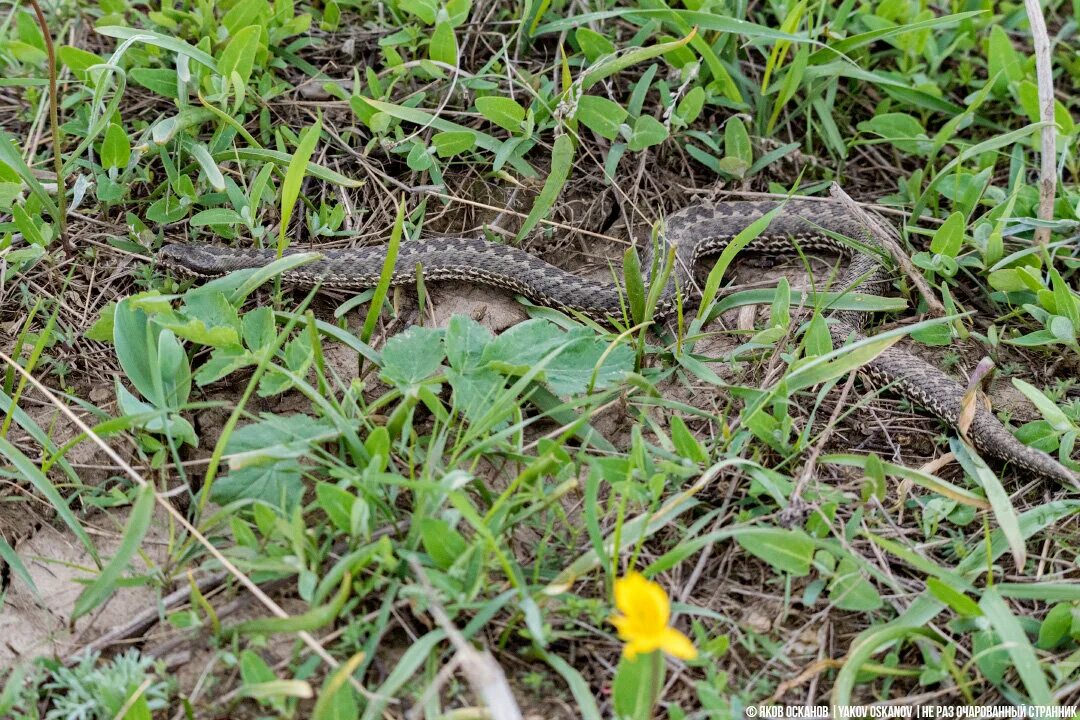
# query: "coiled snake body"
x,y
694,232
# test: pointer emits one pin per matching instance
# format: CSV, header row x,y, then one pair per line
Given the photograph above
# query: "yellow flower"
x,y
643,622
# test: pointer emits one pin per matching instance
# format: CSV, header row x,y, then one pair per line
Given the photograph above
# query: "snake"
x,y
689,235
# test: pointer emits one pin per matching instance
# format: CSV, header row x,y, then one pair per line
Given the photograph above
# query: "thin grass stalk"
x,y
54,122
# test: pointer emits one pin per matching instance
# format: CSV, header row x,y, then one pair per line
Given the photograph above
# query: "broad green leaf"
x,y
503,111
454,142
239,55
849,590
691,105
788,551
950,236
636,689
901,130
1004,64
648,131
79,61
443,46
412,356
337,699
442,542
602,116
593,44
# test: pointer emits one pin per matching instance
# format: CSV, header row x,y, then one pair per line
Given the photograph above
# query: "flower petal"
x,y
677,644
640,646
627,588
653,605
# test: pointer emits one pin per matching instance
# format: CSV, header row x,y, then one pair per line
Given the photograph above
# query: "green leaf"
x,y
386,275
443,46
637,685
294,177
903,131
412,356
426,120
1004,64
313,619
79,61
106,582
950,236
581,691
162,41
239,55
285,160
849,590
737,143
162,81
955,599
601,115
442,542
504,112
1015,641
839,362
569,362
691,105
33,474
337,700
209,167
403,669
453,142
1056,626
788,551
615,63
648,131
1000,502
216,216
562,159
593,44
11,156
1047,407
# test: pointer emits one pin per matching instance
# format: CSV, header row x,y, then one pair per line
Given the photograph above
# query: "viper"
x,y
692,233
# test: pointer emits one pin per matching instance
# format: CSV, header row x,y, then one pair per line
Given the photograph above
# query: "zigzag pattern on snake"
x,y
694,232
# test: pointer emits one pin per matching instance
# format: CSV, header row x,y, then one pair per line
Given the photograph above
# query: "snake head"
x,y
206,261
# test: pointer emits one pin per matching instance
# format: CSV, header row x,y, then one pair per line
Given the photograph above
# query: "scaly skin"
x,y
694,232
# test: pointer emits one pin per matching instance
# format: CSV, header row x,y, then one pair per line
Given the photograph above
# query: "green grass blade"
x,y
283,159
294,178
138,523
386,276
165,42
1018,646
562,159
25,467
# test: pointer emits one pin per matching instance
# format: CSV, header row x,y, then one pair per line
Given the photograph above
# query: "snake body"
x,y
695,232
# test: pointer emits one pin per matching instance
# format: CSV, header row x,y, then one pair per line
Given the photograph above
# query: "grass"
x,y
274,504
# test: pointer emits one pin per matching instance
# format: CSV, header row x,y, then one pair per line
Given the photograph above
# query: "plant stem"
x,y
54,122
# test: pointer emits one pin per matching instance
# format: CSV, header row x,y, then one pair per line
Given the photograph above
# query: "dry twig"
x,y
1044,75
